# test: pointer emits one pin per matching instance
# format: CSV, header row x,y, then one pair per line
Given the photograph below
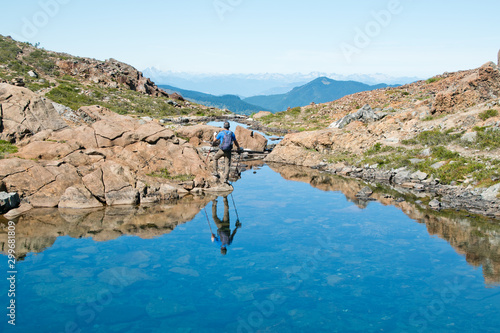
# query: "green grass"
x,y
433,79
42,61
165,174
488,114
488,139
8,50
6,148
433,138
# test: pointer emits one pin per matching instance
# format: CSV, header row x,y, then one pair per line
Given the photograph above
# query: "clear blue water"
x,y
304,260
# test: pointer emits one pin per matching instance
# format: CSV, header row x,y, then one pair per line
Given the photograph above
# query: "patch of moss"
x,y
6,148
164,173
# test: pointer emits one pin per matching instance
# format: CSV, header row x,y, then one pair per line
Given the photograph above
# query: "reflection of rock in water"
x,y
39,228
478,241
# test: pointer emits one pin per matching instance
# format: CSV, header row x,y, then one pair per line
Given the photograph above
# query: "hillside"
x,y
232,103
444,130
320,90
75,81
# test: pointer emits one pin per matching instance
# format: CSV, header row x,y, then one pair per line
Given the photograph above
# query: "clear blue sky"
x,y
418,37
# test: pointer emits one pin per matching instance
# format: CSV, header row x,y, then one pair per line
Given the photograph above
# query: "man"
x,y
226,139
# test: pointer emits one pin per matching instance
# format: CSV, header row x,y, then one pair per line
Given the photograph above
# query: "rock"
x,y
8,201
365,114
24,113
434,204
202,132
94,183
23,208
402,176
469,137
46,150
261,114
365,192
416,160
419,175
219,188
408,185
176,96
78,196
119,184
426,152
438,164
33,74
491,192
250,140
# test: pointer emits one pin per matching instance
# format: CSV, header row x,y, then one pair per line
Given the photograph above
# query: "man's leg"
x,y
217,155
227,165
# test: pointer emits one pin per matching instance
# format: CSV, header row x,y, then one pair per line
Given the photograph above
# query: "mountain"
x,y
320,90
258,84
230,102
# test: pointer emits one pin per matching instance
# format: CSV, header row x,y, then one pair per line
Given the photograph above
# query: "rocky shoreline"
x,y
435,195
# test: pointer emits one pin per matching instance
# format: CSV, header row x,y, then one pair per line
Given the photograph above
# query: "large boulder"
x,y
24,113
8,201
250,140
198,134
78,196
261,114
365,115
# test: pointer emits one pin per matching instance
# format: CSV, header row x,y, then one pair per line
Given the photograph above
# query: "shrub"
x,y
488,114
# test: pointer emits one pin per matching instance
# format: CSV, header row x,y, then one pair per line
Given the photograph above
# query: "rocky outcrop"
x,y
468,88
100,158
110,73
365,115
24,113
250,140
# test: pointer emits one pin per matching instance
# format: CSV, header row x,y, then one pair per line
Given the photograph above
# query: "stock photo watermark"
x,y
11,272
88,311
292,281
424,315
47,10
222,7
365,35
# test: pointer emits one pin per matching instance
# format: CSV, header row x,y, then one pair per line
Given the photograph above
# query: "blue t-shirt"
x,y
220,137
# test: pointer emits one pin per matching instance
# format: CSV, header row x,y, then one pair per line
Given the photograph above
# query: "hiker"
x,y
224,236
226,139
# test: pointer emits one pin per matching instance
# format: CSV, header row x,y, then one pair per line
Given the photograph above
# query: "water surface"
x,y
305,259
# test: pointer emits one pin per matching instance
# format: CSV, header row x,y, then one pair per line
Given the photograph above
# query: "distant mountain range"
x,y
246,85
320,90
230,102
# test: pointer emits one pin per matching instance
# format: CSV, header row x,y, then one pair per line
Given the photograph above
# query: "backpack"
x,y
227,141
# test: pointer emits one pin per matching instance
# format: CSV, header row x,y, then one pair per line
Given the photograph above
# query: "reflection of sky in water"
x,y
304,260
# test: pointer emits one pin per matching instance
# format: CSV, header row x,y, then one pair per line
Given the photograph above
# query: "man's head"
x,y
226,125
223,250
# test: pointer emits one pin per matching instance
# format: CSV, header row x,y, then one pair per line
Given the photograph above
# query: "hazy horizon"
x,y
399,38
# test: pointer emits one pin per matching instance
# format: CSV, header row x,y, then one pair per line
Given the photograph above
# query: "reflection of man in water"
x,y
224,237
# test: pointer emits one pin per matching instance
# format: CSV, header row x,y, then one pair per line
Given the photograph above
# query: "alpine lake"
x,y
300,254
